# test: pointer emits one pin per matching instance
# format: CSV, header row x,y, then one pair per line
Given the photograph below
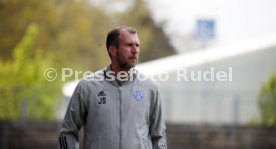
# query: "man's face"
x,y
128,51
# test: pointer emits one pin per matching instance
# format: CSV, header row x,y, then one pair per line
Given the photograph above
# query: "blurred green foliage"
x,y
22,79
38,34
267,102
75,30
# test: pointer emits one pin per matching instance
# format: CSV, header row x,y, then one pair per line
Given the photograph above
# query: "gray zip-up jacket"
x,y
114,114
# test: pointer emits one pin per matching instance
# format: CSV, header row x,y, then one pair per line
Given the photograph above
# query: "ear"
x,y
112,50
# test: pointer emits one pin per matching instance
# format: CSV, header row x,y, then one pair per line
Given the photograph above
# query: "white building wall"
x,y
219,102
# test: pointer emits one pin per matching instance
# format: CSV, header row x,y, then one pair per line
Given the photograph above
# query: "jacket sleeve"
x,y
73,120
157,125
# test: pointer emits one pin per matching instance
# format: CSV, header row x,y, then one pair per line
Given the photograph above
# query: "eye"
x,y
130,44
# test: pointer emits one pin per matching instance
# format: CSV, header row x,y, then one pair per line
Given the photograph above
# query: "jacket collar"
x,y
111,77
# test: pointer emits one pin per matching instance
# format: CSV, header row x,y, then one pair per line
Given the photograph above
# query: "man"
x,y
119,111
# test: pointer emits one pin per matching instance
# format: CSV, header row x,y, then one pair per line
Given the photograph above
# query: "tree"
x,y
72,30
75,30
267,102
21,80
16,15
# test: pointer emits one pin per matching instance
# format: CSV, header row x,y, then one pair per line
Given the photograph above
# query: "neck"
x,y
122,74
116,68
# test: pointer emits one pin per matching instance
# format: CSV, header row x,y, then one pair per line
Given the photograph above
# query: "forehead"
x,y
126,36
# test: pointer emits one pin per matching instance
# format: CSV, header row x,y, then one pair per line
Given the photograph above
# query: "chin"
x,y
128,65
133,65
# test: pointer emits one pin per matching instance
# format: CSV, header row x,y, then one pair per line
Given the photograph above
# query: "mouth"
x,y
133,58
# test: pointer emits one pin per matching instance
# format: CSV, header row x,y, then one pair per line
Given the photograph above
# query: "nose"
x,y
134,50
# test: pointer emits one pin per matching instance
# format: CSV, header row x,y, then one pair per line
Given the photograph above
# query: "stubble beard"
x,y
123,62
